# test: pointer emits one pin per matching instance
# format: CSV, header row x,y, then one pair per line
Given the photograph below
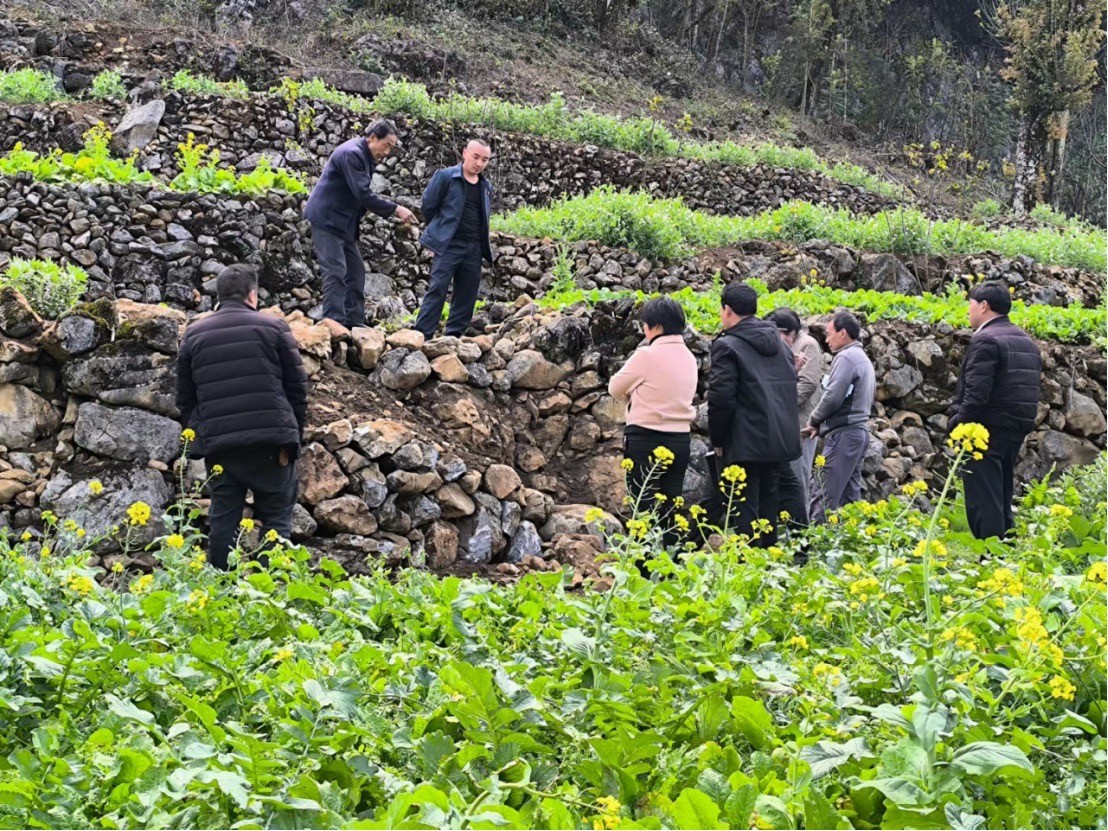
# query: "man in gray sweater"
x,y
841,417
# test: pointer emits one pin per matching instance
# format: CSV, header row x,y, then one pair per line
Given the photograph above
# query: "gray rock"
x,y
70,498
403,369
125,373
138,127
303,526
126,434
367,84
525,542
897,383
422,510
885,272
346,514
480,536
1083,416
25,417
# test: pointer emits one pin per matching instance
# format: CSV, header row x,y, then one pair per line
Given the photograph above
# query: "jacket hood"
x,y
761,335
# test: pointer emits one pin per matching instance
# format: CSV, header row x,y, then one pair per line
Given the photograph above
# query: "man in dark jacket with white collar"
x,y
752,406
242,389
456,208
998,388
336,206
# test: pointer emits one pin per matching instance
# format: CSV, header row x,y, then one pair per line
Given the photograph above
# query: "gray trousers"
x,y
839,482
802,466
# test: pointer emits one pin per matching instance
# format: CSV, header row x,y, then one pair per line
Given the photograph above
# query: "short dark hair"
x,y
740,298
846,322
236,282
665,312
381,128
786,320
994,293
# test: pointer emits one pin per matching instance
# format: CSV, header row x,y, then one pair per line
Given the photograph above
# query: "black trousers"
x,y
343,272
258,470
791,497
458,266
638,446
757,499
990,486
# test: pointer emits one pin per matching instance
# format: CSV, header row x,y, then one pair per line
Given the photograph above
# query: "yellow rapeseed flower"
x,y
663,456
117,568
799,641
143,584
271,535
175,541
970,437
734,474
681,522
593,515
282,654
198,599
217,470
247,524
138,513
80,584
821,460
26,536
96,487
188,434
937,548
1061,688
1097,573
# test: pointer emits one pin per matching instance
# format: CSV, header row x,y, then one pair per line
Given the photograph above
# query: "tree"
x,y
1051,63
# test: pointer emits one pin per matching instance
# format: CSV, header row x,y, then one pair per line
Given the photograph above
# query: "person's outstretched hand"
x,y
405,216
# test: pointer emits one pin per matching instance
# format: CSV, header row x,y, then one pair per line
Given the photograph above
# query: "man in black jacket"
x,y
336,205
242,388
752,406
999,388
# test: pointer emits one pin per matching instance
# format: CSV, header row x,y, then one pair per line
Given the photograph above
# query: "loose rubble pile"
x,y
464,451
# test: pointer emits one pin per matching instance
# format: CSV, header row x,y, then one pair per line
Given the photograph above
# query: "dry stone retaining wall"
x,y
473,450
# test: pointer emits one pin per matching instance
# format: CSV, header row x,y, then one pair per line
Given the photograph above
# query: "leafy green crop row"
x,y
901,679
1067,325
200,169
638,135
665,228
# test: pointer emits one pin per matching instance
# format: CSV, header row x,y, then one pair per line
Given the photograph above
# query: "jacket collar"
x,y
996,319
234,304
363,145
666,339
456,173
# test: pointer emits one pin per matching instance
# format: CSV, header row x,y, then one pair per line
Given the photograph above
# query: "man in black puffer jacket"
x,y
999,388
241,387
752,406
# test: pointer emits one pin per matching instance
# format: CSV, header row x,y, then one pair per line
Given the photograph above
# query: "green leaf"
x,y
695,810
819,812
740,805
961,819
984,758
824,756
125,709
752,720
579,643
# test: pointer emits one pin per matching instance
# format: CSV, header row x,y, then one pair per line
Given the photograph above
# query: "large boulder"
x,y
481,536
319,474
403,369
138,127
125,372
570,519
885,272
68,495
526,542
1084,416
346,515
126,434
366,84
25,417
528,369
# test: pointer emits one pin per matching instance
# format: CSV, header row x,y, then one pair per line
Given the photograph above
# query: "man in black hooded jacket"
x,y
752,407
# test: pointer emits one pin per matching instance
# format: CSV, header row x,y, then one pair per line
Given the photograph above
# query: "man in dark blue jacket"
x,y
336,205
998,388
241,388
456,207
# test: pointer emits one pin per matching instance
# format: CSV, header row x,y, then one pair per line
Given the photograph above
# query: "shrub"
x,y
108,86
986,209
185,81
51,289
29,86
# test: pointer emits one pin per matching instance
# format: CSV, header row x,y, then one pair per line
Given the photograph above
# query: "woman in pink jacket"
x,y
659,381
